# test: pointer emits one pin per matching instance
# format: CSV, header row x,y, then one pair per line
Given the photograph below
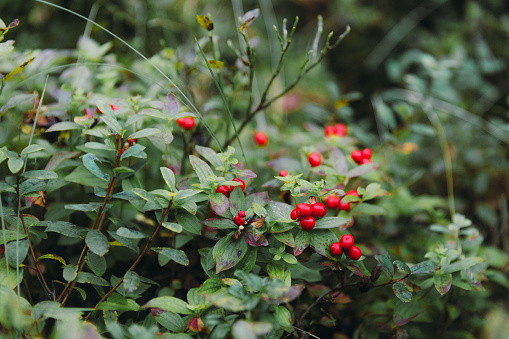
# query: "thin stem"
x,y
142,254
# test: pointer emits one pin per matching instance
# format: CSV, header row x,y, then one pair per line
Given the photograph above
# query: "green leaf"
x,y
177,228
278,210
402,291
19,99
210,155
166,254
237,200
131,281
402,267
98,145
90,278
70,272
361,170
33,185
131,233
53,257
111,122
374,190
90,207
16,250
63,126
40,174
58,158
8,277
134,151
462,264
289,258
62,227
202,169
15,164
285,238
368,209
385,261
31,149
83,176
89,163
170,320
97,242
189,222
331,222
219,203
10,236
169,304
283,317
146,132
302,240
424,267
442,282
406,312
169,177
320,241
220,223
96,263
229,252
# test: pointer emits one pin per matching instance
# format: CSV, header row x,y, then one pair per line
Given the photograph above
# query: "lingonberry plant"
x,y
144,221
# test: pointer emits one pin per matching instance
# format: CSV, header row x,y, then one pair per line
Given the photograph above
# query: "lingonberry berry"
x,y
344,206
261,139
304,210
131,142
241,214
357,156
354,253
224,190
307,223
341,130
365,161
242,184
329,130
294,215
332,201
367,153
186,123
353,192
346,241
314,159
238,220
283,173
336,249
319,210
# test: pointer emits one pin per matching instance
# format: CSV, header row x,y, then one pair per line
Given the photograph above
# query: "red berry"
x,y
304,210
332,201
341,130
241,214
261,139
319,210
354,253
367,153
365,161
314,159
186,123
294,215
344,206
238,220
283,173
329,130
353,192
336,249
346,241
357,156
131,142
307,223
224,190
242,184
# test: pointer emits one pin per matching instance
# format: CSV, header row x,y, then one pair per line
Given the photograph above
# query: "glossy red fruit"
x,y
346,241
344,206
329,130
241,214
186,123
367,153
357,156
341,130
332,201
319,210
294,215
283,173
224,190
314,159
307,223
131,142
354,253
304,210
261,139
353,192
238,220
365,161
336,249
242,184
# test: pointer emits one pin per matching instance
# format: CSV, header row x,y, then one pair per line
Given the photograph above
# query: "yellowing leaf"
x,y
205,22
216,64
52,256
341,103
19,68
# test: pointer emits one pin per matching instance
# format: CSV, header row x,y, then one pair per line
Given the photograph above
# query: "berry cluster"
x,y
314,159
362,157
345,244
333,201
339,130
127,144
239,219
227,190
186,123
306,214
261,139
